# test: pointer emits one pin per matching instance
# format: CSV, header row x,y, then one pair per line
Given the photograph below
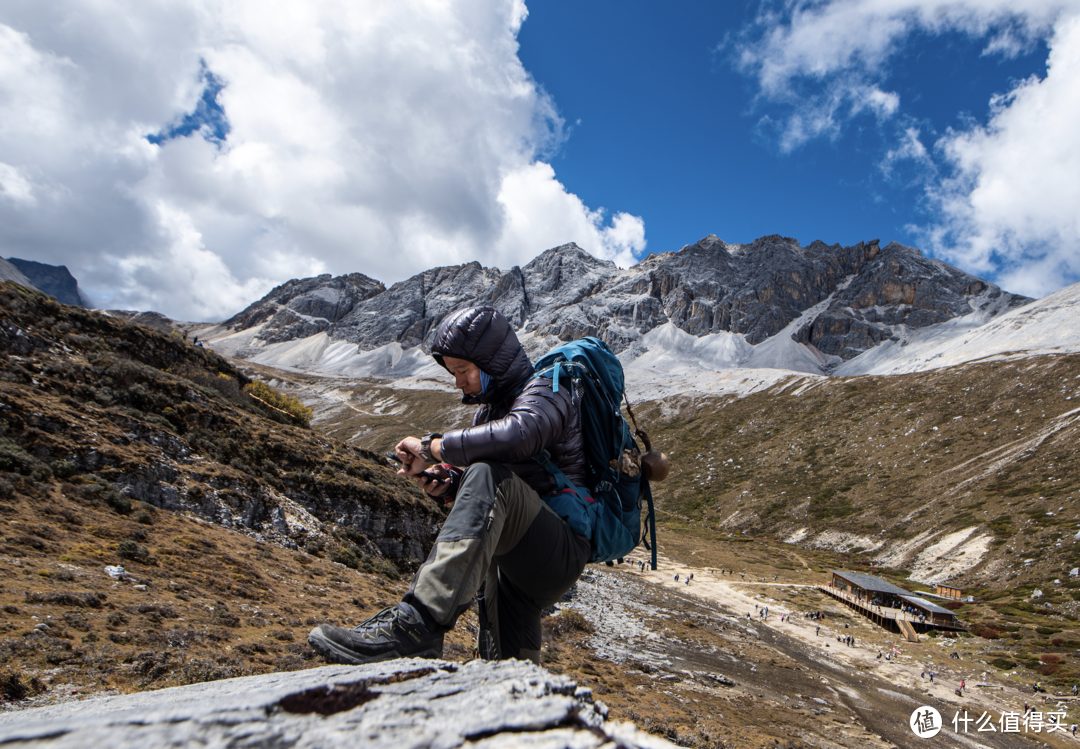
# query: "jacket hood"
x,y
481,335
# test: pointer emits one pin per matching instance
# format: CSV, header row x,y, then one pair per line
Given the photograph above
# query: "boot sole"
x,y
336,653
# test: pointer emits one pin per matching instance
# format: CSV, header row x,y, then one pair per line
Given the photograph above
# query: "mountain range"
x,y
680,321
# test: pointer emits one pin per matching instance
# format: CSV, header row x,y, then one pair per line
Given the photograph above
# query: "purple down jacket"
x,y
511,426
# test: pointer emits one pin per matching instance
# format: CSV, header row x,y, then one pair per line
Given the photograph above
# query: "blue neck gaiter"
x,y
485,381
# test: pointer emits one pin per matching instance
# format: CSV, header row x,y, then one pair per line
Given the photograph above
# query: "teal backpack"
x,y
607,510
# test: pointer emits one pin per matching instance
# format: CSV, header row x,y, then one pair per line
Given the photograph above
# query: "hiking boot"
x,y
395,632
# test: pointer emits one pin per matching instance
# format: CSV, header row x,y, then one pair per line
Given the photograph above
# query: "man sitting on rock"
x,y
500,528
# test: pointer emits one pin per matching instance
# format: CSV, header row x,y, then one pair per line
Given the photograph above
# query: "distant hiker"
x,y
501,526
931,677
196,341
690,578
922,675
1073,729
1075,687
676,577
199,344
879,658
817,631
962,683
688,581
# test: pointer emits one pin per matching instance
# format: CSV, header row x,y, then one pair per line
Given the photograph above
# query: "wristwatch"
x,y
425,447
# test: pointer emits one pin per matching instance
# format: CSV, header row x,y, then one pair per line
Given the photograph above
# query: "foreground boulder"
x,y
398,704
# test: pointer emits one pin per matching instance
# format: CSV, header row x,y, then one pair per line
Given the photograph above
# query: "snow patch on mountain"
x,y
1050,325
897,553
668,361
844,542
952,555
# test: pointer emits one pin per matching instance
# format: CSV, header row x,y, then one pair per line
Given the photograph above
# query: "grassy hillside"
x,y
238,526
879,466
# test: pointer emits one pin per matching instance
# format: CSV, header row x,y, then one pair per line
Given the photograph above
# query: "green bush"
x,y
132,550
347,555
279,401
64,469
16,460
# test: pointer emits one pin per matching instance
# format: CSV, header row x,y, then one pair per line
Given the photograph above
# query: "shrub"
x,y
132,550
16,460
280,402
571,620
13,688
346,555
64,469
980,629
1003,663
82,600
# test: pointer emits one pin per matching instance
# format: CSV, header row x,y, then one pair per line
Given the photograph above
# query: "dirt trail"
x,y
908,667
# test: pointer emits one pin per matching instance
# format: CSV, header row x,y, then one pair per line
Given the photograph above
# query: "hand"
x,y
408,450
435,487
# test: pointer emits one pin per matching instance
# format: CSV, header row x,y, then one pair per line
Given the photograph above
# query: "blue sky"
x,y
186,157
662,125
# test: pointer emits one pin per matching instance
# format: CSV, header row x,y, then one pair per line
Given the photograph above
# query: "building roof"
x,y
869,582
924,604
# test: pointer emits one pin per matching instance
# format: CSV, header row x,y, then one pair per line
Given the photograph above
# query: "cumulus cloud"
x,y
1011,204
1002,193
325,136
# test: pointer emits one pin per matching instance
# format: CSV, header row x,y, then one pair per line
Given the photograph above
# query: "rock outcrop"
x,y
397,704
756,290
54,280
302,308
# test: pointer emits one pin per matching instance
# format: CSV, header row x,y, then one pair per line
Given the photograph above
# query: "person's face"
x,y
466,375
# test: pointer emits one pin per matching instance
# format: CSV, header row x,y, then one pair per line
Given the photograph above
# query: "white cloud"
x,y
15,186
1004,193
1011,205
910,148
365,136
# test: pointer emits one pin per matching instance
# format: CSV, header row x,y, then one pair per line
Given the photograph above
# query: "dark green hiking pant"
x,y
501,531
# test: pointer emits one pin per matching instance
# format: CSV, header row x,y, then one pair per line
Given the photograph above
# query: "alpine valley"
x,y
850,398
824,407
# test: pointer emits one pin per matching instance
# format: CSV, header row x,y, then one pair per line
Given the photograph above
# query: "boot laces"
x,y
387,616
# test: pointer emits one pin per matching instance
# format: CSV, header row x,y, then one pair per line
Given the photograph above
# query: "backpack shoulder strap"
x,y
544,459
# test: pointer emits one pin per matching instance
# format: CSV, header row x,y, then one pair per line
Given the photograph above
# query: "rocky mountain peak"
x,y
710,287
54,280
304,307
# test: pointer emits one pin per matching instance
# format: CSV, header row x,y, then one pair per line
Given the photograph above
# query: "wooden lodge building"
x,y
888,605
